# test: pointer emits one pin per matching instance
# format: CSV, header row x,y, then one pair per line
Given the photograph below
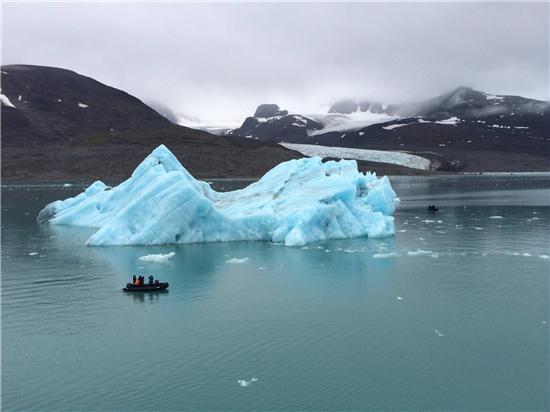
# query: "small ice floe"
x,y
402,230
262,268
245,383
384,255
350,251
420,252
478,228
438,333
52,237
158,257
67,185
237,260
495,217
543,322
544,256
428,221
82,105
526,254
305,247
399,298
33,253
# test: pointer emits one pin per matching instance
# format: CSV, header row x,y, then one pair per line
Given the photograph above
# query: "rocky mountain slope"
x,y
464,130
270,123
57,124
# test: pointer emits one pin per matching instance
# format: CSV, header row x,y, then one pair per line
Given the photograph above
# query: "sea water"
x,y
451,313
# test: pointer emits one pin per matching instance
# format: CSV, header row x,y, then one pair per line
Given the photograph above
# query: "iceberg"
x,y
297,202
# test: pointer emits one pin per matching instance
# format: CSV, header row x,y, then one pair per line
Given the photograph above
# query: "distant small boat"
x,y
145,288
432,208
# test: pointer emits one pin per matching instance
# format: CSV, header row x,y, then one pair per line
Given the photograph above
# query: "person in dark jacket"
x,y
150,280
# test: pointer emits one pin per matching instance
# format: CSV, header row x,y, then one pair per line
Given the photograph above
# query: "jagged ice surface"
x,y
297,202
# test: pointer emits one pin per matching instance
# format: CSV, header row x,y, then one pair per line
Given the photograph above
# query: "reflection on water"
x,y
452,313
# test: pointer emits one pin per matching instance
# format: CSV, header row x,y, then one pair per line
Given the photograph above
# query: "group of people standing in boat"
x,y
140,281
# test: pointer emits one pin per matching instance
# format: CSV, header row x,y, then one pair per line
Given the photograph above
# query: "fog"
x,y
215,62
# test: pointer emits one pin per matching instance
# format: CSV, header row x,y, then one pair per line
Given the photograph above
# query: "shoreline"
x,y
6,183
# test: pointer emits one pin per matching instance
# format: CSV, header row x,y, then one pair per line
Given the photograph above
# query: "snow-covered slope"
x,y
381,156
297,202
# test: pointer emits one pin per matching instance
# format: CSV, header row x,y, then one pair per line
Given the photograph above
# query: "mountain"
x,y
270,123
58,124
163,110
464,130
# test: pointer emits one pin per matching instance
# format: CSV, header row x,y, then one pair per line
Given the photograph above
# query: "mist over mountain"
x,y
58,124
217,62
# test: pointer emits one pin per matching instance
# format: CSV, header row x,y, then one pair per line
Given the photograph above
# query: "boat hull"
x,y
145,288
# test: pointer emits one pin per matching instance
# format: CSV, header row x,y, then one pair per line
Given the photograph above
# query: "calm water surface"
x,y
452,313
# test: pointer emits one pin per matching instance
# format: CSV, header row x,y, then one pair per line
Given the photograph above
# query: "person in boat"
x,y
157,282
150,280
134,280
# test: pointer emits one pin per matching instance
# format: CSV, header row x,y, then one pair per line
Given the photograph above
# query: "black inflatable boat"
x,y
145,288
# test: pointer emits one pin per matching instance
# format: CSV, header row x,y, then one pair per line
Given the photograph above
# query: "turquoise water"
x,y
452,313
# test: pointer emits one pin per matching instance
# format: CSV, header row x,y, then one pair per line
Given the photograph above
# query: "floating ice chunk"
x,y
33,253
237,261
526,254
438,333
399,298
384,255
420,252
544,256
495,217
67,184
402,230
158,257
82,105
262,268
297,202
245,383
478,228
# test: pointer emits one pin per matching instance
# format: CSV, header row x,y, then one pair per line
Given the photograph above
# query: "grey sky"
x,y
217,62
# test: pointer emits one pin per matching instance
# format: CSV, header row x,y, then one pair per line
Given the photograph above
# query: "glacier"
x,y
297,202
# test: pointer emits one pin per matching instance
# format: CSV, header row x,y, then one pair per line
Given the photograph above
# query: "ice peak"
x,y
297,202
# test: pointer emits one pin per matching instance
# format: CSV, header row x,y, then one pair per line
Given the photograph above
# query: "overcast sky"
x,y
217,62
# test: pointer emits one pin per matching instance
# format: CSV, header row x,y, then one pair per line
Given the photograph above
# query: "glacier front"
x,y
295,203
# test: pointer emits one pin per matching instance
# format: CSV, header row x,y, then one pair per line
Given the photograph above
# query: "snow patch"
x,y
6,101
396,126
451,121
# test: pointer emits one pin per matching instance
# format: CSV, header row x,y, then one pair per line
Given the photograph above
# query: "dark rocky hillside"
x,y
67,126
465,130
271,124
